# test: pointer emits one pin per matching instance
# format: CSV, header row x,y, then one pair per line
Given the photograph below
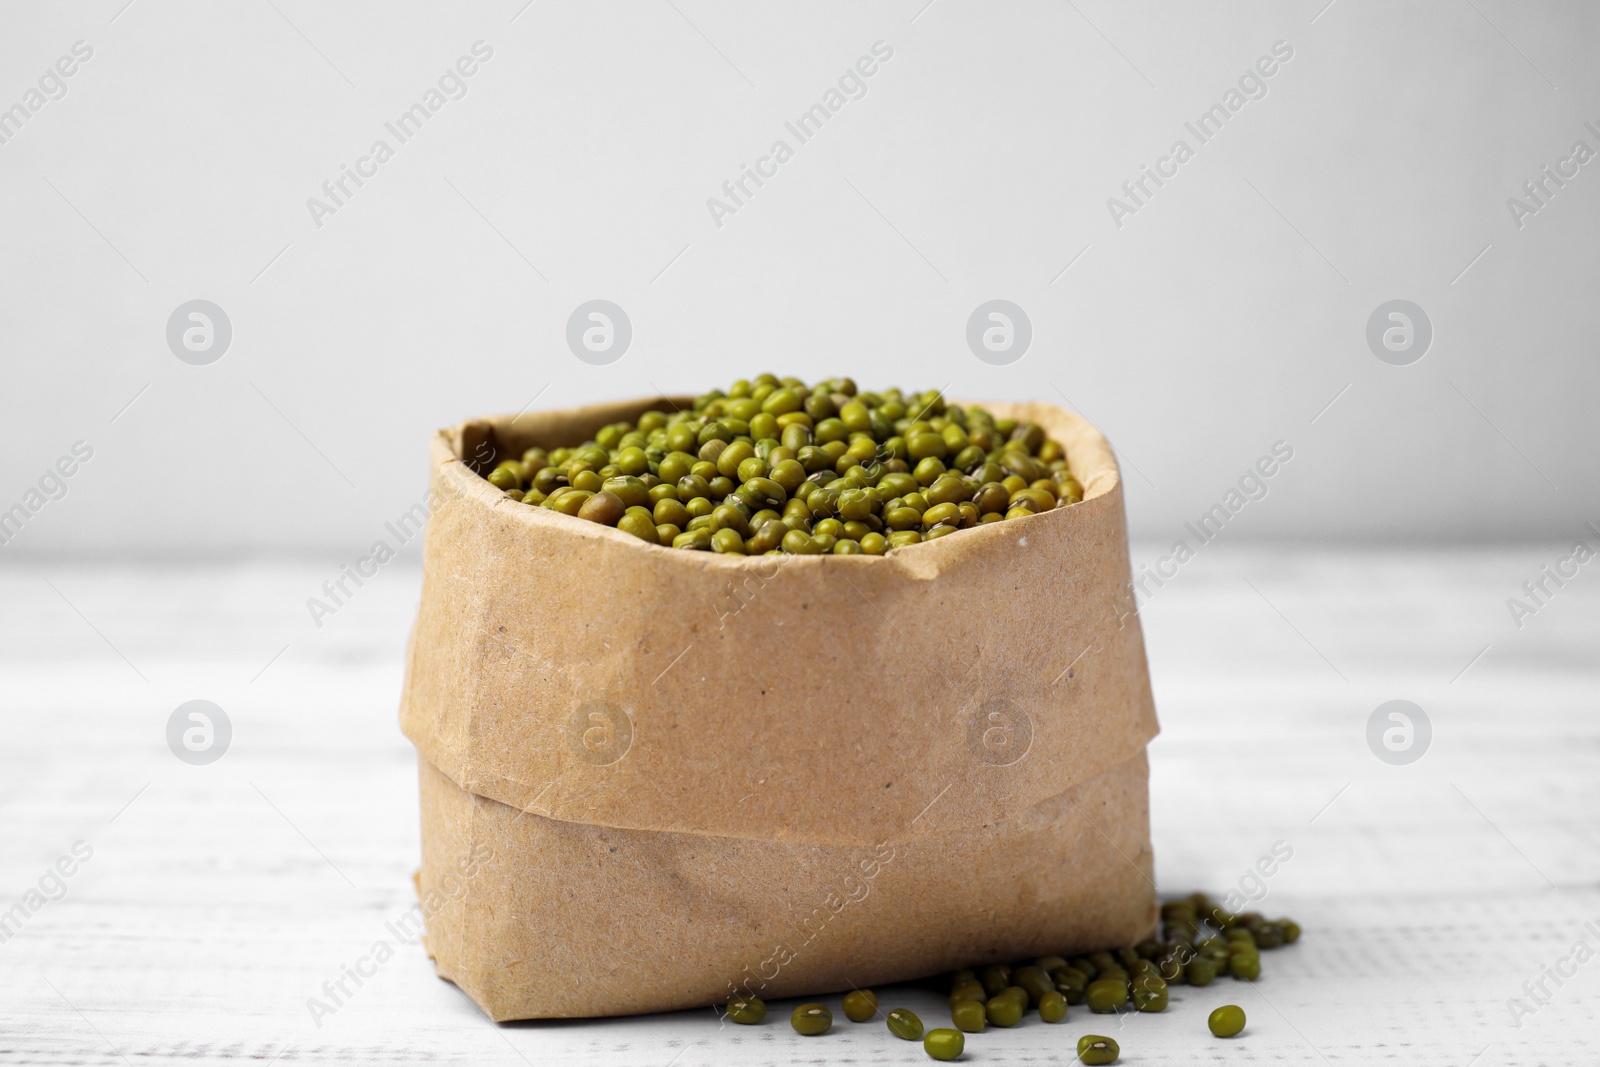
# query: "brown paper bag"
x,y
653,778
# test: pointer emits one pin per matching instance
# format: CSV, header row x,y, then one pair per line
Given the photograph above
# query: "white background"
x,y
1223,317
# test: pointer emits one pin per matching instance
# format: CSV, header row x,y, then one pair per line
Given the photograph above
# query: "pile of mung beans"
x,y
776,466
1200,942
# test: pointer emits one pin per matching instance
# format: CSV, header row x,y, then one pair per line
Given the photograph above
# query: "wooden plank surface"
x,y
219,898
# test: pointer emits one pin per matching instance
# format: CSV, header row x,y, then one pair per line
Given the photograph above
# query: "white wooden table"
x,y
218,898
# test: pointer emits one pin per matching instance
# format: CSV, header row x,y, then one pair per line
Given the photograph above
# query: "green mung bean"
x,y
1200,971
860,1005
944,1044
1149,993
1003,1010
1106,995
811,1019
904,1024
1035,981
1052,1007
969,1015
968,990
1107,981
1226,1021
747,1010
1097,1051
904,467
1070,983
995,979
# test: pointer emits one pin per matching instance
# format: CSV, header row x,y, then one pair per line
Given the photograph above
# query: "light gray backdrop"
x,y
1227,311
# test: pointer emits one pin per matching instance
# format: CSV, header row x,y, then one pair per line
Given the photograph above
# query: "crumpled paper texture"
x,y
704,774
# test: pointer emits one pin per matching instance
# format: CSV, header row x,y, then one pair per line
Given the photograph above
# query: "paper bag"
x,y
678,776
